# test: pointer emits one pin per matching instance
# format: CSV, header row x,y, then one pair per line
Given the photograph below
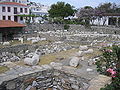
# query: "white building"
x,y
107,19
39,10
18,1
10,10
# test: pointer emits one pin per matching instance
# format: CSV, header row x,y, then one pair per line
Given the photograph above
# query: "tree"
x,y
105,7
60,9
87,14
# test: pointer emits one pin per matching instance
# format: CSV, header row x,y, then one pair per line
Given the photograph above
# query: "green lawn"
x,y
3,69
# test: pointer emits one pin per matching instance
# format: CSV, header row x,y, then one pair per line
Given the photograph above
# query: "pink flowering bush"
x,y
109,64
112,72
115,84
110,58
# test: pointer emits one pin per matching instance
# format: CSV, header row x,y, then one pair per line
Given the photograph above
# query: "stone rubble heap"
x,y
80,36
28,52
80,55
5,56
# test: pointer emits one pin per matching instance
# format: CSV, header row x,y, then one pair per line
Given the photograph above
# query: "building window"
x,y
21,18
25,10
4,18
9,9
15,10
3,9
9,17
21,10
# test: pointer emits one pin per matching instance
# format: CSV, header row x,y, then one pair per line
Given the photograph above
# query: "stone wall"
x,y
44,27
54,27
16,48
43,79
67,81
99,29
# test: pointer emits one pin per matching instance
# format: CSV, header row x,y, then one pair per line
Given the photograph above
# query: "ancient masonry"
x,y
55,76
42,78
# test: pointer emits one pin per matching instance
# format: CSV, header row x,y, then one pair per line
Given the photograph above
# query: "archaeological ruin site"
x,y
54,58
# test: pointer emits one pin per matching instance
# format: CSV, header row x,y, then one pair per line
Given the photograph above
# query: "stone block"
x,y
74,62
83,48
10,86
99,82
75,87
89,51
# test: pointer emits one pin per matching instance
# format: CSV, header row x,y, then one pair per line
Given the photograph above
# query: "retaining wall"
x,y
44,79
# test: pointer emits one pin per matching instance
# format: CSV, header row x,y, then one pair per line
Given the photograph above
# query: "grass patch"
x,y
1,46
21,63
95,53
74,43
15,42
46,59
3,69
53,57
43,42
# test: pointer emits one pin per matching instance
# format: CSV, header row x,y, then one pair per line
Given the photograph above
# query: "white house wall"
x,y
11,13
100,21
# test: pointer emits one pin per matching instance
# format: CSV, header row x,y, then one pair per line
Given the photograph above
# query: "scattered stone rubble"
x,y
56,75
80,55
17,55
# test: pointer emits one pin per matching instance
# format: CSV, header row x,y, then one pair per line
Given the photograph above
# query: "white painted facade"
x,y
106,20
39,10
100,21
9,15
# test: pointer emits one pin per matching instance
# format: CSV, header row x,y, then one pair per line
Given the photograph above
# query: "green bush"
x,y
66,26
115,84
110,59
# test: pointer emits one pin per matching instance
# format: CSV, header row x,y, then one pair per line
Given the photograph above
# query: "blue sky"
x,y
77,3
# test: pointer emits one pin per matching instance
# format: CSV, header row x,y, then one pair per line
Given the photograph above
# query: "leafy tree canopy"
x,y
108,8
60,9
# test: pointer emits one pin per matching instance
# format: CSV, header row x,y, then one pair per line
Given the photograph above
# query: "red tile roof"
x,y
8,23
12,3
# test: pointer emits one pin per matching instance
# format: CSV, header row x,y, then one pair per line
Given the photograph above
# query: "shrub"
x,y
108,59
115,84
109,64
66,26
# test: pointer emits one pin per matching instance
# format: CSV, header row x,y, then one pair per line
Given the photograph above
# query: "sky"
x,y
77,3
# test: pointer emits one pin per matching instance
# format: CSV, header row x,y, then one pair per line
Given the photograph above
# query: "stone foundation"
x,y
16,48
43,79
